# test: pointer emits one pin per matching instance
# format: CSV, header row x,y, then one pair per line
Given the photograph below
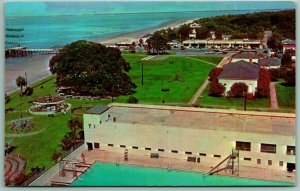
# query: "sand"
x,y
37,67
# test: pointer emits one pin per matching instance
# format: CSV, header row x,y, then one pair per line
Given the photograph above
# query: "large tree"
x,y
92,69
20,81
158,42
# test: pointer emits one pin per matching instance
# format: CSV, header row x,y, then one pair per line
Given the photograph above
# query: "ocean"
x,y
55,24
52,24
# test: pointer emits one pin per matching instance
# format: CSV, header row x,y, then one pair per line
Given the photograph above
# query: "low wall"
x,y
44,179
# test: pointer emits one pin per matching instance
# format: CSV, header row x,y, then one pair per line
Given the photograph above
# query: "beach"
x,y
136,35
37,66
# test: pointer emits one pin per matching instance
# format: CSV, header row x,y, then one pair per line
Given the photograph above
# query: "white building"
x,y
208,43
195,25
240,71
192,35
264,140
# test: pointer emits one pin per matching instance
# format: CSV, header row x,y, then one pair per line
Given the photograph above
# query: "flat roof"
x,y
202,118
97,109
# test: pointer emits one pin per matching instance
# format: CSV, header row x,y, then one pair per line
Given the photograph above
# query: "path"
x,y
199,92
273,96
201,61
205,84
24,134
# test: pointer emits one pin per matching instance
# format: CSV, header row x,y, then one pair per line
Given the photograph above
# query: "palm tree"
x,y
20,81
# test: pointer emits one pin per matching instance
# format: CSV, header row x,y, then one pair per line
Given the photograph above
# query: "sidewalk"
x,y
273,96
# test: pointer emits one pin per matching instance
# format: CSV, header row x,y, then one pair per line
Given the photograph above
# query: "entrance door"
x,y
291,167
90,146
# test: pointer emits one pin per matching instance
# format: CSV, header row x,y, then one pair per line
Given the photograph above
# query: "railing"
x,y
33,178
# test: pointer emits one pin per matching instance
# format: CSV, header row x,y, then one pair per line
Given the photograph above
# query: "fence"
x,y
44,177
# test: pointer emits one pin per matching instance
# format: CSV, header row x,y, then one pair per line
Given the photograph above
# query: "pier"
x,y
19,51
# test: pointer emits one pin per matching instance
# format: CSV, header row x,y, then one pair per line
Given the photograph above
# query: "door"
x,y
90,146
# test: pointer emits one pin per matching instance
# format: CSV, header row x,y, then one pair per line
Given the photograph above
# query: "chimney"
x,y
250,60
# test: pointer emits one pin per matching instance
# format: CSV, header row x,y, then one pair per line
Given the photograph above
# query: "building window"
x,y
243,146
291,150
280,163
135,147
258,161
96,145
161,150
217,156
90,125
174,151
123,146
267,148
148,149
110,145
248,159
188,153
269,162
202,154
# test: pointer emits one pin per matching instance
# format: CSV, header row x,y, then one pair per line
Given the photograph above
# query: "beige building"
x,y
264,140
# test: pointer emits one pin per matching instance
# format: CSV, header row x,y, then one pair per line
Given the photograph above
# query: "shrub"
x,y
56,156
214,73
7,98
263,84
216,89
290,77
132,99
28,91
237,90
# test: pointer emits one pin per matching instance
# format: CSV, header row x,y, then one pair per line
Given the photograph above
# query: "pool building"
x,y
264,140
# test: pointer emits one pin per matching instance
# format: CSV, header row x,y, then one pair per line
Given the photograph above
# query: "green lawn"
x,y
182,76
236,103
286,96
38,149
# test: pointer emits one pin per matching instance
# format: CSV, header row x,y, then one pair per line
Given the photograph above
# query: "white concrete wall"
x,y
245,59
210,142
249,83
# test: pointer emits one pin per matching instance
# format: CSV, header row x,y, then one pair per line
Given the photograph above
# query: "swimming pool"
x,y
108,174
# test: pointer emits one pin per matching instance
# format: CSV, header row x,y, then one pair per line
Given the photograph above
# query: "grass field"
x,y
38,149
286,96
236,103
181,75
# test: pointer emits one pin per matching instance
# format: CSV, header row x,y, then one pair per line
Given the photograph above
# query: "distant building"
x,y
195,25
213,35
208,43
226,37
192,35
248,56
269,63
240,71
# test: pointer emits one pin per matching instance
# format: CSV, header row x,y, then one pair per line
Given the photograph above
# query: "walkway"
x,y
199,92
23,134
273,96
201,61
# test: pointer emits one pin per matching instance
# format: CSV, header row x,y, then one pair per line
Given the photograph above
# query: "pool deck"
x,y
173,164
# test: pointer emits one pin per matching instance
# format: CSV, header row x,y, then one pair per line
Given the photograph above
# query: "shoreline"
x,y
20,65
136,35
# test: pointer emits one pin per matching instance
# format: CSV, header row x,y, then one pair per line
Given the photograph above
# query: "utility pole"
x,y
245,102
142,73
